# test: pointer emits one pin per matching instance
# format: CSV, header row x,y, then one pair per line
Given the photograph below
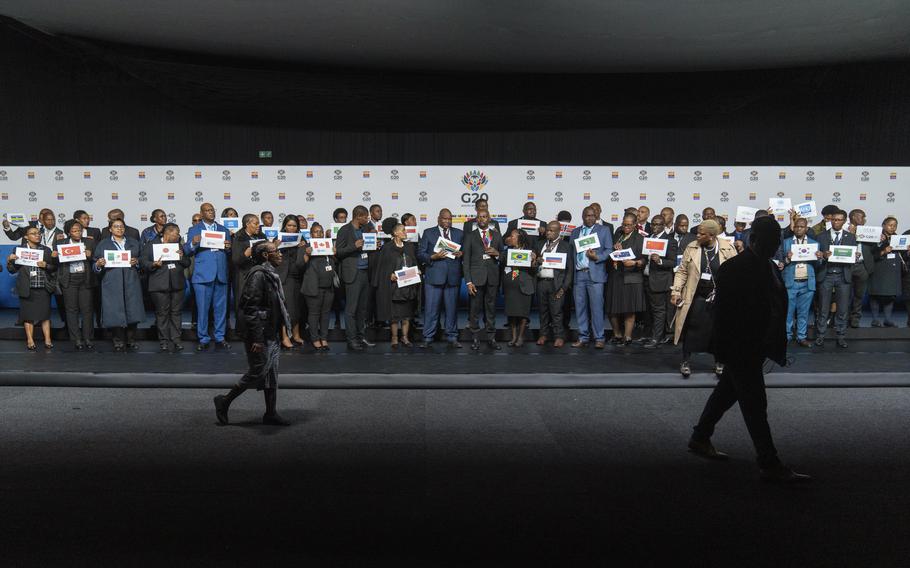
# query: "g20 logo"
x,y
474,181
557,197
614,196
337,176
367,196
890,198
87,197
697,176
143,196
724,196
198,196
671,196
226,175
530,176
753,175
586,175
169,175
310,196
254,196
113,176
280,176
835,198
643,175
393,175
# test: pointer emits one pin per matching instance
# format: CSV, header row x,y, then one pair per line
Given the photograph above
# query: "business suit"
x,y
210,281
659,279
484,274
78,282
590,277
836,279
166,286
800,291
318,290
354,265
549,282
442,280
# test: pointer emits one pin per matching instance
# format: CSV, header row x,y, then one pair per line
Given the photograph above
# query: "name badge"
x,y
364,255
486,257
891,256
171,266
705,276
328,268
33,272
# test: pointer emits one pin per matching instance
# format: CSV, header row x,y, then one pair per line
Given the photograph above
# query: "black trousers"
x,y
124,334
318,309
168,313
551,309
357,303
743,382
832,283
860,278
660,304
80,300
484,300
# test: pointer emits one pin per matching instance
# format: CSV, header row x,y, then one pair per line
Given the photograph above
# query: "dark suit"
x,y
657,286
750,316
318,289
442,279
484,274
354,266
78,283
166,285
552,309
833,279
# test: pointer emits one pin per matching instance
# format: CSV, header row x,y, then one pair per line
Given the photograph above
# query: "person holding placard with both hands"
x,y
625,288
290,271
552,284
658,274
799,278
164,261
319,284
395,304
885,282
121,292
518,285
34,283
833,279
210,275
78,282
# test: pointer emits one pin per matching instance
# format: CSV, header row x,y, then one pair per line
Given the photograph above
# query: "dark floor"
x,y
135,477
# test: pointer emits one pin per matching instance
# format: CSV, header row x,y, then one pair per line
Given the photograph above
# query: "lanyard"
x,y
120,246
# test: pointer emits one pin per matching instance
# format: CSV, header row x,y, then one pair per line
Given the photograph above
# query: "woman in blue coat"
x,y
121,293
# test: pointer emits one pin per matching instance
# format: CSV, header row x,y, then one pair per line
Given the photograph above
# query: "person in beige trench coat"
x,y
687,278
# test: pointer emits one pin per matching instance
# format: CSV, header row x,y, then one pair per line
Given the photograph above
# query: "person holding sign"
x,y
533,227
121,292
210,276
482,248
34,266
395,304
442,279
555,269
862,270
885,283
518,284
833,279
291,273
658,274
625,288
320,279
693,293
356,277
797,262
164,261
262,306
590,277
78,283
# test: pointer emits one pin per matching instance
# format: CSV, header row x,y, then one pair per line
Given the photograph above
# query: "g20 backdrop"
x,y
315,191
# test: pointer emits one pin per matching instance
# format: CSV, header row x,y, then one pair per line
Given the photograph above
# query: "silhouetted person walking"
x,y
263,310
750,318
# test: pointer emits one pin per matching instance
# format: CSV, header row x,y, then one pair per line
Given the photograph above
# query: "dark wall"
x,y
66,101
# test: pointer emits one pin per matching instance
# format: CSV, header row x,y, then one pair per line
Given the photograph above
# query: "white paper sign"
x,y
806,210
446,246
212,240
334,228
900,242
623,254
591,241
804,252
654,246
411,232
408,276
28,257
165,251
868,234
72,252
554,260
232,224
17,219
565,229
843,254
745,214
780,204
288,240
117,258
529,226
369,241
519,257
321,247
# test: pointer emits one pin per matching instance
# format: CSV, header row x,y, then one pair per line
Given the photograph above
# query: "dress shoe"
x,y
475,345
89,346
804,343
132,347
119,348
221,409
274,419
223,345
493,345
783,474
80,347
163,347
366,343
819,341
599,344
841,342
685,370
455,345
706,449
650,344
889,323
178,347
580,344
876,323
666,340
423,345
354,346
202,346
559,342
542,340
615,340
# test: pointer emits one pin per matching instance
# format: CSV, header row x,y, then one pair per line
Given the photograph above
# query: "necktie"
x,y
445,234
581,260
486,238
837,237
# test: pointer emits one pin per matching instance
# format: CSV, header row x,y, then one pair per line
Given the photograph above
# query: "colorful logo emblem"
x,y
197,175
309,174
281,196
254,175
671,175
642,196
86,175
394,195
170,196
423,174
752,196
337,195
227,196
838,175
862,196
115,196
725,175
530,197
614,175
782,175
586,196
696,196
59,196
893,175
474,180
558,175
30,175
141,175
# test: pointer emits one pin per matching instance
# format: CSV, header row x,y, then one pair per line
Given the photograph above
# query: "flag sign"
x,y
117,258
71,252
212,240
654,246
519,257
843,254
591,241
321,247
554,260
28,257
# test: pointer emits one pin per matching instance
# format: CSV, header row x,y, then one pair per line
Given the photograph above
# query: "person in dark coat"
x,y
658,279
442,280
529,213
262,306
750,316
480,262
518,286
33,286
885,282
393,304
291,272
121,292
78,283
167,286
320,281
625,288
353,263
553,286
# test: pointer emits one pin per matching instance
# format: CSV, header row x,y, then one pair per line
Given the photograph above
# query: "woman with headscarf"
x,y
121,293
291,271
625,286
518,287
693,292
33,286
395,304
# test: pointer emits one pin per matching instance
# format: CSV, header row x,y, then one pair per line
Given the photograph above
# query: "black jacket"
x,y
23,286
260,307
660,273
562,279
170,276
347,253
478,270
63,272
316,276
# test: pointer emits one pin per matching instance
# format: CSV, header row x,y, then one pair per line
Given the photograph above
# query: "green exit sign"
x,y
265,153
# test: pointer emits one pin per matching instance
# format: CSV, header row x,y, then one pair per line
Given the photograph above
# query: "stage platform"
x,y
865,363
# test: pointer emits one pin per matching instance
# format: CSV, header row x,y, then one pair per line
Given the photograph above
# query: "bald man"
x,y
210,278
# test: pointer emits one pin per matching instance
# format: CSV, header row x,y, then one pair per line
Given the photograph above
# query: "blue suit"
x,y
589,285
210,282
442,280
799,292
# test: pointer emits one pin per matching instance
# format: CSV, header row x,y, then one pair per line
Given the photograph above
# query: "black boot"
x,y
223,402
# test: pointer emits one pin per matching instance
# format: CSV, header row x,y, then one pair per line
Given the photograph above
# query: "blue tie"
x,y
581,259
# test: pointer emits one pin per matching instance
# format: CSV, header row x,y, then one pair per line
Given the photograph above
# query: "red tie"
x,y
486,239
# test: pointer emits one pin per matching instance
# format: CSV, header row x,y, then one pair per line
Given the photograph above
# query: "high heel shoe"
x,y
48,345
296,341
31,347
407,344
